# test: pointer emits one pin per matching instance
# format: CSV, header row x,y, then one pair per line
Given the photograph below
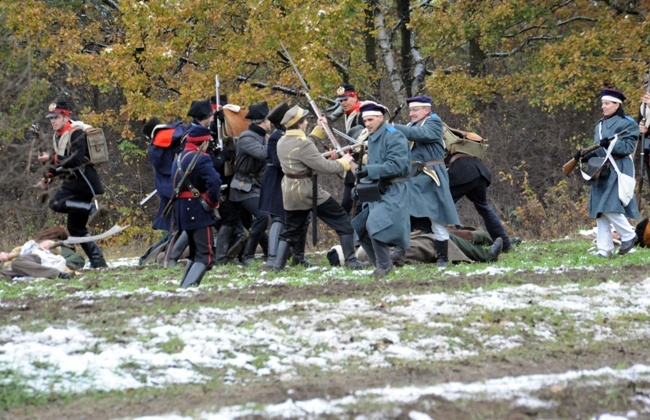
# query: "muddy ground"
x,y
581,402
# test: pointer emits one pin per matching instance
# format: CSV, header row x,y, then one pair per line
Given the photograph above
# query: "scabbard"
x,y
314,209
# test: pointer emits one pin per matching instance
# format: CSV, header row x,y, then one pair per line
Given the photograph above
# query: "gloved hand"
x,y
578,155
362,173
604,143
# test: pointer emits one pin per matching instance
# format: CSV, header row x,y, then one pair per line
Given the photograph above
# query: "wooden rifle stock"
x,y
568,167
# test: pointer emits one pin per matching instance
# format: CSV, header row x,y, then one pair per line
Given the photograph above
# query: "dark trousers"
x,y
201,245
330,212
77,220
260,217
476,192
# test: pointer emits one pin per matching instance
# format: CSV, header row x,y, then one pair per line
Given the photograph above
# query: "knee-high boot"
x,y
274,241
281,256
223,245
351,261
298,251
194,275
442,253
251,247
95,254
177,251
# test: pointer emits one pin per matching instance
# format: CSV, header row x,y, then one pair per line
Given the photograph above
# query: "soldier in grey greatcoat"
x,y
429,194
300,158
604,204
250,161
382,223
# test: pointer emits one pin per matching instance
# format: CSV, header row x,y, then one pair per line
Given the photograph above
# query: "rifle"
x,y
568,167
396,112
639,182
218,121
326,127
184,178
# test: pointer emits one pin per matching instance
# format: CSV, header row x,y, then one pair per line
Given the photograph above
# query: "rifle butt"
x,y
569,166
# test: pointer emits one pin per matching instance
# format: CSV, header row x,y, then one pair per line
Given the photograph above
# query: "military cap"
x,y
200,110
58,107
370,108
293,115
345,91
417,101
198,134
258,111
612,95
148,127
277,113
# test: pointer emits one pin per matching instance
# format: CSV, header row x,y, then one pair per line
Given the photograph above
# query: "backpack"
x,y
459,141
168,135
97,146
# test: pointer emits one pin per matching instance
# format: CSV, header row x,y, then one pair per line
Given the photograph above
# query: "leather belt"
x,y
298,176
432,162
457,156
395,180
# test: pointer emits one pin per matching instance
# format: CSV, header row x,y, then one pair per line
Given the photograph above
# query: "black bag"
x,y
369,191
597,167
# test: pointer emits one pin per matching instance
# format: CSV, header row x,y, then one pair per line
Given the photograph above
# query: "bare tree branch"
x,y
112,4
523,44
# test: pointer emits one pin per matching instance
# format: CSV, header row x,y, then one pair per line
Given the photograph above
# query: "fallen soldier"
x,y
465,245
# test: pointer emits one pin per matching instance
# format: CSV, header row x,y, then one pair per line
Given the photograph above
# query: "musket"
x,y
181,183
645,115
326,127
568,167
218,121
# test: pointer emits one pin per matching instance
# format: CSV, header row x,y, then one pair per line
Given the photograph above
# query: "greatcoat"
x,y
388,158
603,194
426,198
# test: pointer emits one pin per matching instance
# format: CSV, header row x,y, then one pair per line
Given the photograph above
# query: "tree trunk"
x,y
387,55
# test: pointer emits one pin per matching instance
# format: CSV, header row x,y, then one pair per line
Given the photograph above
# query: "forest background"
x,y
524,74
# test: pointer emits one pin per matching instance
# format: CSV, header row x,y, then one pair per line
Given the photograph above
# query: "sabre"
x,y
326,127
148,197
345,136
218,121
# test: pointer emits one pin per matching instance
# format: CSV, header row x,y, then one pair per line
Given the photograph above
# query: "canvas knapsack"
x,y
97,146
459,141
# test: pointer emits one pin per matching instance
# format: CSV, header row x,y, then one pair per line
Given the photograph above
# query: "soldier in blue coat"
x,y
194,209
604,204
382,223
429,194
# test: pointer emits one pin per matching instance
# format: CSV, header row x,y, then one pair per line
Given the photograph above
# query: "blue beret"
x,y
612,95
372,108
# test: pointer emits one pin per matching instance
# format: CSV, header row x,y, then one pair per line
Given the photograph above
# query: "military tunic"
x,y
299,156
603,194
389,157
426,198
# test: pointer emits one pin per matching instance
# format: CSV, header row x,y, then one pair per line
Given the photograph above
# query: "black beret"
x,y
200,110
258,111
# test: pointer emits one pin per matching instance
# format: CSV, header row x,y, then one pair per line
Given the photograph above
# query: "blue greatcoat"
x,y
387,220
426,198
603,194
189,214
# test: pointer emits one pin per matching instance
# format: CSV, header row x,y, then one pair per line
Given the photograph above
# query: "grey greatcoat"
x,y
426,198
603,194
385,220
250,161
300,158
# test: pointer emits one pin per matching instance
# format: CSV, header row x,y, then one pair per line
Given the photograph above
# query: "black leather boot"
x,y
281,256
95,254
223,245
397,256
442,252
351,261
298,251
251,248
177,251
194,275
237,244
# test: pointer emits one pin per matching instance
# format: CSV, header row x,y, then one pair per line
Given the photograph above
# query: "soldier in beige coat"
x,y
300,159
